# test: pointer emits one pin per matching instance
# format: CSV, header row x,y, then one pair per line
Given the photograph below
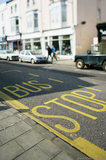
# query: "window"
x,y
34,2
59,8
15,8
35,19
32,21
64,13
2,17
15,25
29,22
28,3
11,9
99,14
3,30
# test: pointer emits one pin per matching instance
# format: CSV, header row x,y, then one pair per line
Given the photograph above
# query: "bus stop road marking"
x,y
80,143
52,79
90,88
11,71
34,75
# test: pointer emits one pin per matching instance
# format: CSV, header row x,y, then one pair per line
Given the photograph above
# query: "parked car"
x,y
31,56
90,59
8,55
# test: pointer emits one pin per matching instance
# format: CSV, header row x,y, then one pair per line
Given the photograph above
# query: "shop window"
x,y
55,42
65,45
28,46
37,46
3,30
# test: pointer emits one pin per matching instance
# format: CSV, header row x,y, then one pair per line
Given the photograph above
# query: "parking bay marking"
x,y
80,143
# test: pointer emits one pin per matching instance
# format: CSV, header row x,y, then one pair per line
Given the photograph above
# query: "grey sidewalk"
x,y
64,61
23,139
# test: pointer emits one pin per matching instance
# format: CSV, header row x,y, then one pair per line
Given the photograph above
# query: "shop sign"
x,y
103,32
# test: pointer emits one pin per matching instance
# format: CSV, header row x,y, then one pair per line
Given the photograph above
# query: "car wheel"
x,y
32,61
20,60
8,59
104,66
79,64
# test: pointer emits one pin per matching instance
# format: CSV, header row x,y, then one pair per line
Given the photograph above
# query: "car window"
x,y
9,52
22,52
27,53
33,53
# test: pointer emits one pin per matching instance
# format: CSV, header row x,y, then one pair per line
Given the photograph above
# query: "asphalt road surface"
x,y
69,102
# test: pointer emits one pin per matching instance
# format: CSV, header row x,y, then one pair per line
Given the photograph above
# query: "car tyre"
x,y
104,66
8,59
20,60
32,61
80,64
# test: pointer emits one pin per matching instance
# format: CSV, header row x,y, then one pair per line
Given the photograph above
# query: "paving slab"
x,y
8,121
29,139
49,148
62,156
13,131
10,150
34,153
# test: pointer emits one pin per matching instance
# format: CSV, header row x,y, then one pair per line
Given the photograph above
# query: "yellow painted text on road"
x,y
70,108
78,93
59,126
80,143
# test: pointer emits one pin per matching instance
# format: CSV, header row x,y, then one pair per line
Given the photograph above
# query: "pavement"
x,y
64,61
23,139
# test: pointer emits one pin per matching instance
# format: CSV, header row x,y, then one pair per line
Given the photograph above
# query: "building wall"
x,y
87,11
80,35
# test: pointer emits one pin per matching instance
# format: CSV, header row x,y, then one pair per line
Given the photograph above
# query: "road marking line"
x,y
11,101
90,88
11,71
35,75
90,149
80,143
51,79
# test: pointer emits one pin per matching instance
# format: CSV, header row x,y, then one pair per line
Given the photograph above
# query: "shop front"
x,y
3,43
62,40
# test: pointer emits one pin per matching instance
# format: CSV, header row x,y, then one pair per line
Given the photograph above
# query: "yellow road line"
x,y
14,103
90,149
80,143
11,71
51,79
35,75
90,88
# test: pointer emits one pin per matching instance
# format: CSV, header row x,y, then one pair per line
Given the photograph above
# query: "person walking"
x,y
50,53
54,53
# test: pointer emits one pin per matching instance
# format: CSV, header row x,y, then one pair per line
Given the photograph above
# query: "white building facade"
x,y
69,25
